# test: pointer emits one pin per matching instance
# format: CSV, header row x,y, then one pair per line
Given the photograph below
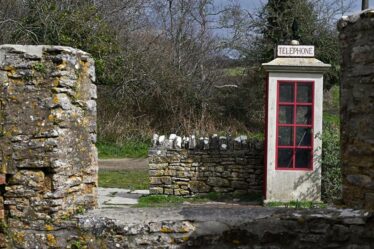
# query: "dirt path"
x,y
123,163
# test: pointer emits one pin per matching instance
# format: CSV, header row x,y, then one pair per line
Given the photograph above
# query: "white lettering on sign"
x,y
295,51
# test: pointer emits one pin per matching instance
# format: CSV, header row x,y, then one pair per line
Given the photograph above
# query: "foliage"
x,y
331,102
78,24
331,165
80,210
275,21
279,16
130,149
163,67
40,67
78,244
128,179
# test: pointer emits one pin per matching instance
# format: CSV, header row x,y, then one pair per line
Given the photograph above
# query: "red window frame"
x,y
294,125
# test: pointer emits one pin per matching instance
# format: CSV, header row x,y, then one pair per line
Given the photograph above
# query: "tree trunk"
x,y
365,4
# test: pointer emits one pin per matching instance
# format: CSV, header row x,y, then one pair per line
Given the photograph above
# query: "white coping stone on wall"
x,y
206,143
155,139
37,50
192,144
177,142
354,18
161,139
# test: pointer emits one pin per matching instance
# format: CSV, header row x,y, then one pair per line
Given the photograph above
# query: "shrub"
x,y
331,165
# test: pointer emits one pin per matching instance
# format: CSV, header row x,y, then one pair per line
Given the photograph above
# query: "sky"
x,y
253,4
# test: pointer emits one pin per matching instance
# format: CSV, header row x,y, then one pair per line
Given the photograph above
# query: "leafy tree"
x,y
78,24
273,25
279,16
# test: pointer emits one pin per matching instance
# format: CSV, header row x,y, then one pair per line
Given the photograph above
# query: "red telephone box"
x,y
294,125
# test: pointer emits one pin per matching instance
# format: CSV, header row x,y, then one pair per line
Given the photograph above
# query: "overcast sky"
x,y
253,4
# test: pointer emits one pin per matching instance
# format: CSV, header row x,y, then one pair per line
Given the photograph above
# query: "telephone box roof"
x,y
296,65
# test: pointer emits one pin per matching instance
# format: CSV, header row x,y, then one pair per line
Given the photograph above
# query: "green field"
x,y
128,179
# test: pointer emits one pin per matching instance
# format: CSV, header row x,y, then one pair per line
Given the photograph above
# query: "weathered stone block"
x,y
156,191
369,201
160,180
2,179
157,166
359,180
199,187
239,185
181,192
218,182
156,172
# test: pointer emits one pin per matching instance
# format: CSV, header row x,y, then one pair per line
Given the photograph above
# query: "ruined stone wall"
x,y
357,109
3,231
47,138
242,227
185,167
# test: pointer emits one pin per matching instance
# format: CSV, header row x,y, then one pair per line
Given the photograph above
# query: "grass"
x,y
130,149
167,200
235,71
159,200
128,179
296,204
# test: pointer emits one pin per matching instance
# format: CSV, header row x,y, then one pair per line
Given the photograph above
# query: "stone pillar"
x,y
47,136
357,109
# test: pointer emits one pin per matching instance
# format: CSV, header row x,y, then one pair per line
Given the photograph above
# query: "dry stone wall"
x,y
47,138
188,166
357,109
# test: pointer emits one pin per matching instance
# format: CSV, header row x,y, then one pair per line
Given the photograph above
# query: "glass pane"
x,y
286,92
304,93
285,136
303,136
304,115
303,158
286,114
285,158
